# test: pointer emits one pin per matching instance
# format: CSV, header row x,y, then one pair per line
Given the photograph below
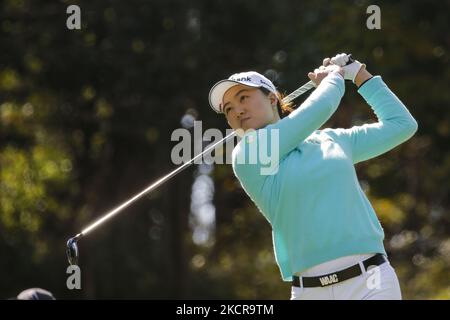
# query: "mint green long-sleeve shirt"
x,y
310,194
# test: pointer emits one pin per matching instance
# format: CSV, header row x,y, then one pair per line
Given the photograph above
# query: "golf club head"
x,y
72,251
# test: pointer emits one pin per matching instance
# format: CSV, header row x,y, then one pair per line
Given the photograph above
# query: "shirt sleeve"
x,y
395,124
272,143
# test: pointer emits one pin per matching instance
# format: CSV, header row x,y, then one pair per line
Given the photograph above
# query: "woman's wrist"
x,y
362,76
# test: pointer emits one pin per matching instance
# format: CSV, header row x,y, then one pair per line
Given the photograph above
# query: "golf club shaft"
x,y
309,85
304,88
153,186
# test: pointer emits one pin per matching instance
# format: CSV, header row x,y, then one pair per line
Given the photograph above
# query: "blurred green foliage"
x,y
86,117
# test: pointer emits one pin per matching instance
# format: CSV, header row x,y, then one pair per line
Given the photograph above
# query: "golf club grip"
x,y
308,86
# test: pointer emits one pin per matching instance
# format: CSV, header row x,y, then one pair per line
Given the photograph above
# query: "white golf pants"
x,y
377,283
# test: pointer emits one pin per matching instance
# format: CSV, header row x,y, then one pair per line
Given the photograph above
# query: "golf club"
x,y
72,247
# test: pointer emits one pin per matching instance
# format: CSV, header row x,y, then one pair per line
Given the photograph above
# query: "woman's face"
x,y
249,108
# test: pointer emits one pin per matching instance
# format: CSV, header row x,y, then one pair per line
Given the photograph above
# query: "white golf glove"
x,y
343,60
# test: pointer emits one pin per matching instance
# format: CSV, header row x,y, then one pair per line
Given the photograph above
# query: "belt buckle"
x,y
329,279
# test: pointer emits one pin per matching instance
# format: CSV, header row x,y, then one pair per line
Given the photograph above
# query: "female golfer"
x,y
327,238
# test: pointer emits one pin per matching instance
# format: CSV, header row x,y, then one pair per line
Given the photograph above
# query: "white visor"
x,y
250,79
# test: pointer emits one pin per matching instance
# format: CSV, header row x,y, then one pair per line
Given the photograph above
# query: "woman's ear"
x,y
273,99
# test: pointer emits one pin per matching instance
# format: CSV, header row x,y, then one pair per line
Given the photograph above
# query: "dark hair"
x,y
283,108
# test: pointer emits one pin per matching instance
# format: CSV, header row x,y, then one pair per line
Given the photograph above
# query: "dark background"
x,y
86,118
